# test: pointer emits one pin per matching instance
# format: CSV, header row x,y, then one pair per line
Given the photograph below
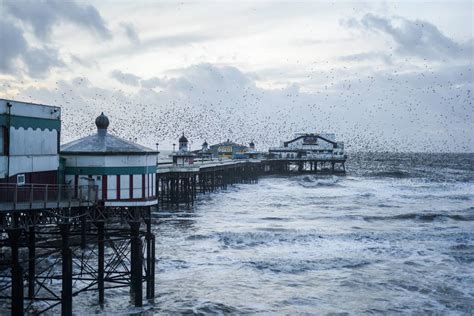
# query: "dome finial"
x,y
102,122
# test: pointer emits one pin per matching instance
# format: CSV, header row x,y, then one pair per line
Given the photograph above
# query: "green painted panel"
x,y
33,122
110,170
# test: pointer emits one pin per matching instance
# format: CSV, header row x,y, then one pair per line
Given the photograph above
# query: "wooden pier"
x,y
101,247
180,184
96,247
77,217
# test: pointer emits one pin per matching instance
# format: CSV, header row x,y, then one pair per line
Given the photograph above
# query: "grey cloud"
x,y
367,56
17,56
414,37
152,83
43,15
155,42
13,46
40,61
130,32
37,61
422,110
126,78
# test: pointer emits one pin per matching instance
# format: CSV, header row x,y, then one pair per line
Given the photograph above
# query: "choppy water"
x,y
395,235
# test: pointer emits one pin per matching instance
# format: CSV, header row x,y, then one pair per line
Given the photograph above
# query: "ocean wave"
x,y
253,239
429,217
315,181
293,266
399,174
197,237
211,308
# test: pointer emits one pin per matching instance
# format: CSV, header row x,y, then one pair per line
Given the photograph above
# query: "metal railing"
x,y
46,193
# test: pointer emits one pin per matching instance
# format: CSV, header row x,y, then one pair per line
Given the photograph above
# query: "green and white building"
x,y
124,172
29,143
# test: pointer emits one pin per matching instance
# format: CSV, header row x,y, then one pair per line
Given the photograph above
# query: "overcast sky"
x,y
381,75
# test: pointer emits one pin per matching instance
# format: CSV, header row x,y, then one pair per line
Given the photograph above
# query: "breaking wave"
x,y
421,217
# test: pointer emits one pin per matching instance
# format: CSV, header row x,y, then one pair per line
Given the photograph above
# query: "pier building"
x,y
310,152
228,150
124,172
29,143
183,157
204,153
87,208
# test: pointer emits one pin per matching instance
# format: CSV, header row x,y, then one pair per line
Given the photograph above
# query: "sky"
x,y
383,76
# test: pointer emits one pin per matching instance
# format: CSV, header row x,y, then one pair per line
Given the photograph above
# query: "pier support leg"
x,y
150,259
66,293
31,262
100,260
136,263
17,272
83,229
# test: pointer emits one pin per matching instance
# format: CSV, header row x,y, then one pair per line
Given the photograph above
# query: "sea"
x,y
395,235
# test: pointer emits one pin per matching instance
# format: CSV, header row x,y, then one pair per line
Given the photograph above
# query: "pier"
x,y
76,217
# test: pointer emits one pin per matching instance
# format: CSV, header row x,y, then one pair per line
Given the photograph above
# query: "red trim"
x,y
118,187
131,187
143,186
104,187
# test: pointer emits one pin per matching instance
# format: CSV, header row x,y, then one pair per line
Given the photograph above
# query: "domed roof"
x,y
183,139
205,143
102,121
252,144
103,143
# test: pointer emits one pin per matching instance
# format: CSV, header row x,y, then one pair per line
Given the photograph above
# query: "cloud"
x,y
368,56
18,56
126,78
152,83
16,47
43,15
416,38
130,32
16,50
133,80
388,111
146,44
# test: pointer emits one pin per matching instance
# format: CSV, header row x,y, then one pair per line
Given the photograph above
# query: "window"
x,y
20,179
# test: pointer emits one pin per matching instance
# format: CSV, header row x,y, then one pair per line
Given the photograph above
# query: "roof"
x,y
285,144
183,139
103,143
228,143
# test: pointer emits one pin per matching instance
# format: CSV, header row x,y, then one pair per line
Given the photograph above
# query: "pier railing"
x,y
28,196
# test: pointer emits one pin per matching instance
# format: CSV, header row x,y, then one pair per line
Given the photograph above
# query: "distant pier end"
x,y
309,152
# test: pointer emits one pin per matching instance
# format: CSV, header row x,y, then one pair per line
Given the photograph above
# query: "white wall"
x,y
321,144
26,164
33,142
30,109
110,161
